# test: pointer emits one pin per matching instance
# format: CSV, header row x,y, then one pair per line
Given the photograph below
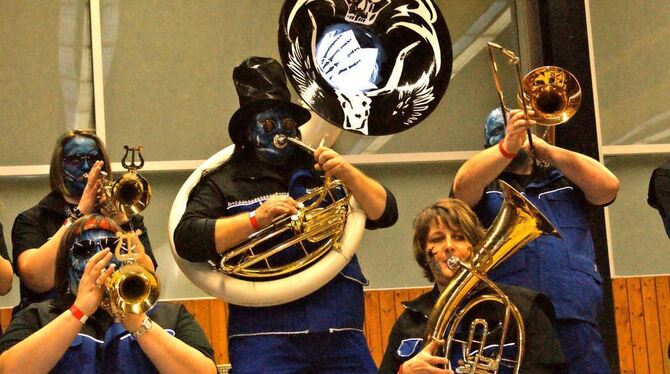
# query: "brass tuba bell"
x,y
517,223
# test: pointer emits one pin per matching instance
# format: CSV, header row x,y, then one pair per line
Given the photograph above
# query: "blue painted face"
x,y
267,125
85,246
79,155
494,128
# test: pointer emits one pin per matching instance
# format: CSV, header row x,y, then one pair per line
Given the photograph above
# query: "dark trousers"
x,y
337,352
582,347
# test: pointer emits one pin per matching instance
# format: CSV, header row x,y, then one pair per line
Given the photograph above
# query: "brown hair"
x,y
56,169
64,296
454,214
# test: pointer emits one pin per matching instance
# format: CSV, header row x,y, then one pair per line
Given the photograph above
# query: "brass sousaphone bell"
x,y
517,223
370,67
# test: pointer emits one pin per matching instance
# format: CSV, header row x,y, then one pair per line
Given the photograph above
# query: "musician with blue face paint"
x,y
323,331
73,333
77,165
565,186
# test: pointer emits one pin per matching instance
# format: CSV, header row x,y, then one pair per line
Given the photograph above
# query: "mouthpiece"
x,y
281,140
453,263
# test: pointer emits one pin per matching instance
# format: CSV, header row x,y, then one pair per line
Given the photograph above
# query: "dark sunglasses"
x,y
79,160
85,249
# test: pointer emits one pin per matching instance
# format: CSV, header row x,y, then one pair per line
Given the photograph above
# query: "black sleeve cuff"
x,y
194,239
390,215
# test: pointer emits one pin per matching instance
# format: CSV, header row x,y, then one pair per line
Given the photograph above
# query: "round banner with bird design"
x,y
371,67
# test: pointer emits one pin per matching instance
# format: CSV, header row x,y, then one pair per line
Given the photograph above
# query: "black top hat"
x,y
261,84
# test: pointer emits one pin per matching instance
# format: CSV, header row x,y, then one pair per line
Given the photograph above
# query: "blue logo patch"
x,y
410,347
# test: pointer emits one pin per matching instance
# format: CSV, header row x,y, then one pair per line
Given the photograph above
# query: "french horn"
x,y
517,223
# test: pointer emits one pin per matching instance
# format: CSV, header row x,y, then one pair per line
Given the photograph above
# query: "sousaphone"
x,y
370,67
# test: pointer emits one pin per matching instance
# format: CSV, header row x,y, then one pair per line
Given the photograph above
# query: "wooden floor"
x,y
642,314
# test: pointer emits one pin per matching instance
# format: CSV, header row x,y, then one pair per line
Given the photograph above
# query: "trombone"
x,y
553,93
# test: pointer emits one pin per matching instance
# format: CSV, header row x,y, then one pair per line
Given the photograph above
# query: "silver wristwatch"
x,y
144,328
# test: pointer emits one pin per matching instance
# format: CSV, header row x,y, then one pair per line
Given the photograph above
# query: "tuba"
x,y
369,67
129,194
517,223
132,288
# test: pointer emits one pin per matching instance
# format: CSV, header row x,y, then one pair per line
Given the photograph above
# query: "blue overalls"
x,y
563,269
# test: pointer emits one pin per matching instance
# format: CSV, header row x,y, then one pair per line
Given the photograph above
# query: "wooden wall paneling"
x,y
651,323
386,315
663,297
5,317
218,311
638,331
622,318
373,325
416,292
189,305
202,315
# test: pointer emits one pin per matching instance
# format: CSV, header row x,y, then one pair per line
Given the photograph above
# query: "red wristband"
x,y
78,314
504,152
253,220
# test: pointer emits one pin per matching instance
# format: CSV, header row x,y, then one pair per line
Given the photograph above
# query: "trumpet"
x,y
129,194
133,288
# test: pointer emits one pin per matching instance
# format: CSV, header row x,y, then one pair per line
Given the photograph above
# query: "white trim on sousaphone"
x,y
263,293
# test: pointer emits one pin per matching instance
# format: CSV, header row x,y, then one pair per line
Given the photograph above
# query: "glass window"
x,y
45,77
